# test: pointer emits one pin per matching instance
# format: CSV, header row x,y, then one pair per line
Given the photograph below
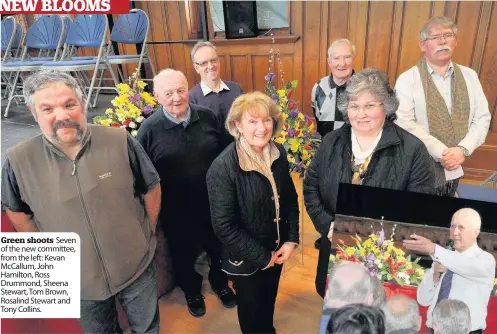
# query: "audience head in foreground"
x,y
349,283
451,316
356,319
379,294
401,315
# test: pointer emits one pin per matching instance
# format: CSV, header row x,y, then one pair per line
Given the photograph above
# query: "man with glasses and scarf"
x,y
443,104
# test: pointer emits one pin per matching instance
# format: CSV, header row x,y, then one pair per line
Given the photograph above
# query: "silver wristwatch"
x,y
464,150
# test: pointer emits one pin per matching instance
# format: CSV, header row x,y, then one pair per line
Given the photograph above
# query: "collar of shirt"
x,y
447,74
333,84
207,90
173,119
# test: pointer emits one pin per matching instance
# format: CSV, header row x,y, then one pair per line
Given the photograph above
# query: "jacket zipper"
x,y
95,243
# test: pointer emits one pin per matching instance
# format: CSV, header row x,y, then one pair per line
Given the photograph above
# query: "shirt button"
x,y
272,198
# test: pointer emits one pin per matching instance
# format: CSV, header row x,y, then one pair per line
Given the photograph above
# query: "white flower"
x,y
404,277
134,133
139,119
378,264
132,125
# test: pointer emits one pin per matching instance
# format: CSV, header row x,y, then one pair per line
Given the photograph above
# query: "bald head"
x,y
171,90
349,283
401,312
465,228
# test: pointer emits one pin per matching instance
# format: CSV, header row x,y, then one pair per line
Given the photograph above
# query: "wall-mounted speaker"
x,y
240,19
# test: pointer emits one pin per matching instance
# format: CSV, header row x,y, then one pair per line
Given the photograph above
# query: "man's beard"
x,y
59,124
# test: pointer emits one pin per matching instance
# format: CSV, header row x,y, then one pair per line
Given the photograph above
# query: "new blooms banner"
x,y
11,7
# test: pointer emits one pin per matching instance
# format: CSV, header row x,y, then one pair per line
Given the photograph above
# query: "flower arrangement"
x,y
131,107
298,136
494,290
383,260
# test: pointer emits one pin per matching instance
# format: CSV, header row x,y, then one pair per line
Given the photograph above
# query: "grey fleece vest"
x,y
94,197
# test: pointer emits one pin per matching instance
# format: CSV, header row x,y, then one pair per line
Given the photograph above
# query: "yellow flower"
x,y
279,140
284,117
109,111
281,92
332,258
305,155
123,88
349,251
149,99
374,237
141,84
362,251
105,122
301,116
120,100
294,144
290,158
367,243
283,134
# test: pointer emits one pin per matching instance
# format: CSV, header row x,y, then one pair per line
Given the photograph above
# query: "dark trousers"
x,y
322,269
139,300
255,298
184,248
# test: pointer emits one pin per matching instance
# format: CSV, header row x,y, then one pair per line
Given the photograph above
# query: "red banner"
x,y
64,6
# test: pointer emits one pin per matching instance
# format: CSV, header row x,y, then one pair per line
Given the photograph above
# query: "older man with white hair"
x,y
451,316
401,315
182,140
325,92
465,274
348,283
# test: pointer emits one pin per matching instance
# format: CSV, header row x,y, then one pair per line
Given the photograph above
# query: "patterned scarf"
x,y
451,128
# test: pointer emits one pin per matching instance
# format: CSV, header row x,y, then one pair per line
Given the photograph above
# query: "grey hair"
x,y
199,45
43,78
379,294
451,316
396,319
437,20
342,291
341,41
373,81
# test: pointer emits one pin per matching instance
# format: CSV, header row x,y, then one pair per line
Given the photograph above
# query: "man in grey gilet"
x,y
97,182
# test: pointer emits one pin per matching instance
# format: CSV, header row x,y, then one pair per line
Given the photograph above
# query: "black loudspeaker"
x,y
240,19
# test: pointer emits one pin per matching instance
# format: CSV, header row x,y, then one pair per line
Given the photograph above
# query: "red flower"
x,y
116,125
410,271
297,132
353,258
340,241
309,122
126,122
290,92
291,105
308,147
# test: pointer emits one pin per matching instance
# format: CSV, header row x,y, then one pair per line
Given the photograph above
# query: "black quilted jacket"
x,y
400,162
243,212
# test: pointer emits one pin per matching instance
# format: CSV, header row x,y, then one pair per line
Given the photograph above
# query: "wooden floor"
x,y
298,306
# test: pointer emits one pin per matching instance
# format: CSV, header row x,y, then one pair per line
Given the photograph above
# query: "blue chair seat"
x,y
72,62
114,57
25,63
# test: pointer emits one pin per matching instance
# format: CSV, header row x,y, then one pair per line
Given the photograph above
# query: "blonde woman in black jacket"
x,y
368,150
254,209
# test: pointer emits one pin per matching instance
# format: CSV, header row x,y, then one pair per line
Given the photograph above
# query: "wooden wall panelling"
x,y
358,29
379,35
482,33
338,21
296,24
323,46
241,72
395,41
467,20
416,14
311,52
451,8
488,72
260,63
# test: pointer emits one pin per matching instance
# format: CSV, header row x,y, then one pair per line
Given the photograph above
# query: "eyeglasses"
x,y
368,108
213,61
438,38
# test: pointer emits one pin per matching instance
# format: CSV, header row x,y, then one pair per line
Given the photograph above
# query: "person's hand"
x,y
271,262
438,270
284,253
452,158
420,245
330,232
